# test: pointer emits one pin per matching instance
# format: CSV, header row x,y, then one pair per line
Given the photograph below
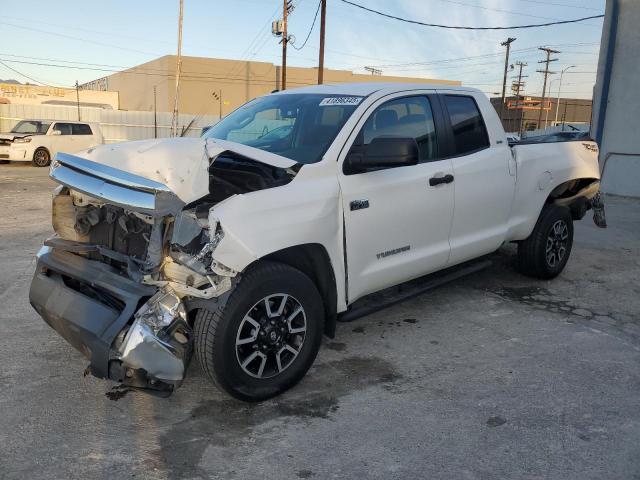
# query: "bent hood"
x,y
182,164
13,136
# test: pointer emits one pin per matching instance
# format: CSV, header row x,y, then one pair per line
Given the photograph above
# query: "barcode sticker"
x,y
331,101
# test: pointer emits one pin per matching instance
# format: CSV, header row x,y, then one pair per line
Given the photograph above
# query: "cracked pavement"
x,y
492,376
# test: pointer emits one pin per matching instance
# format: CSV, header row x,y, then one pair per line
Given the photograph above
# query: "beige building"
x,y
11,93
211,86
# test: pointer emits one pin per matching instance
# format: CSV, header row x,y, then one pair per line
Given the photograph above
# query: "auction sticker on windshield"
x,y
340,101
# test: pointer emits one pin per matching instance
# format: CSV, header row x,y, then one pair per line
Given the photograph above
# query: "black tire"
x,y
546,252
41,157
218,330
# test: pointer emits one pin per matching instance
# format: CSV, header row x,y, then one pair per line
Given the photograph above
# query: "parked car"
x,y
247,251
37,141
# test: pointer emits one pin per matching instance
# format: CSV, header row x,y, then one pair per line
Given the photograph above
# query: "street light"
x,y
555,122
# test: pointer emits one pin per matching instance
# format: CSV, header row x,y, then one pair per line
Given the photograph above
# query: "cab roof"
x,y
367,88
48,120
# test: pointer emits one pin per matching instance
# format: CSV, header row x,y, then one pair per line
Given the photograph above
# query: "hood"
x,y
13,136
182,164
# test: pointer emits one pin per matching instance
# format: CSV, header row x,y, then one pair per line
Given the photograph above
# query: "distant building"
x,y
213,86
616,100
16,93
521,114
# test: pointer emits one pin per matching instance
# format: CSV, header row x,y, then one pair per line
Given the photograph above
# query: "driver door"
x,y
396,222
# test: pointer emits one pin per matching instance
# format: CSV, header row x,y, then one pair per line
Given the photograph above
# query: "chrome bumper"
x,y
114,186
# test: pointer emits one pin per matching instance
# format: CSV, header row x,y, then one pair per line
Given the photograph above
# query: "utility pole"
x,y
546,72
218,96
323,16
279,29
78,98
155,114
174,120
374,71
285,40
559,88
546,112
507,43
517,87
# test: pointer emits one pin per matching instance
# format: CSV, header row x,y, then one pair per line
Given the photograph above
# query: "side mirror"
x,y
383,152
56,132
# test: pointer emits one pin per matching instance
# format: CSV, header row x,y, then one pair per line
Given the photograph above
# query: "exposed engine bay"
x,y
171,253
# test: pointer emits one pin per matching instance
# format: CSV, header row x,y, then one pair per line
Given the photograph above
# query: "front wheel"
x,y
41,157
546,252
263,340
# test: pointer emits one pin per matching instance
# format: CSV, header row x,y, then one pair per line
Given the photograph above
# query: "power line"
x,y
510,12
540,2
262,34
185,76
486,55
78,38
455,27
23,75
313,24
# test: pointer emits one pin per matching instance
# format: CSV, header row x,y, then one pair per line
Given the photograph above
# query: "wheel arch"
x,y
313,260
41,147
575,194
529,202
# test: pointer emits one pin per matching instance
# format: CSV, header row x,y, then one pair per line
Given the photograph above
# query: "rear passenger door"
x,y
83,137
484,184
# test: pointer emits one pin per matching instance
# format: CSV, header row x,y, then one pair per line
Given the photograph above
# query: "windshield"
x,y
31,126
296,126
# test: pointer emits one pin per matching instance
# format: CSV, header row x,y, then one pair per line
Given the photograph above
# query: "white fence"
x,y
117,125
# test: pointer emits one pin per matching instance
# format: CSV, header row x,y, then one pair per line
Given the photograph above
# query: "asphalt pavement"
x,y
495,376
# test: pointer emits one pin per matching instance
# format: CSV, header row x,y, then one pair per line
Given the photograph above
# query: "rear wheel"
x,y
41,157
263,340
546,252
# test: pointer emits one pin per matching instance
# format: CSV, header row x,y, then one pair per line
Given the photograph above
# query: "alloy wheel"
x,y
556,247
271,335
41,158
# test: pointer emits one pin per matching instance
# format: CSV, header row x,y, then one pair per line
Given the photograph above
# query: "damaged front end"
x,y
155,350
129,260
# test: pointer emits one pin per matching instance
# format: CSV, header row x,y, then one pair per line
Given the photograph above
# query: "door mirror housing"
x,y
56,132
382,153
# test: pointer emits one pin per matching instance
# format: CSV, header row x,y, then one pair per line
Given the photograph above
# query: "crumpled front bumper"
x,y
91,306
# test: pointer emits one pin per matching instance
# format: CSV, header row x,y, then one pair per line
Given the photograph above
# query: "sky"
x,y
57,43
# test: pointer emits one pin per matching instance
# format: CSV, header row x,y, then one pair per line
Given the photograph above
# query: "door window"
x,y
408,117
469,131
81,129
63,128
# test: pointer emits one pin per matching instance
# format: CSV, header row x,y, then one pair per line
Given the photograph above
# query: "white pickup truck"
x,y
245,246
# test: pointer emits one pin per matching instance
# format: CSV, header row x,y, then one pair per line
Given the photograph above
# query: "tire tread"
x,y
207,322
530,259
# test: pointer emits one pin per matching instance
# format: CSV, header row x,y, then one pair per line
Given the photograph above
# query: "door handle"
x,y
448,178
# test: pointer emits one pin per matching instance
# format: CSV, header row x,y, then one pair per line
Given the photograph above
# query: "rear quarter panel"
x,y
541,167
